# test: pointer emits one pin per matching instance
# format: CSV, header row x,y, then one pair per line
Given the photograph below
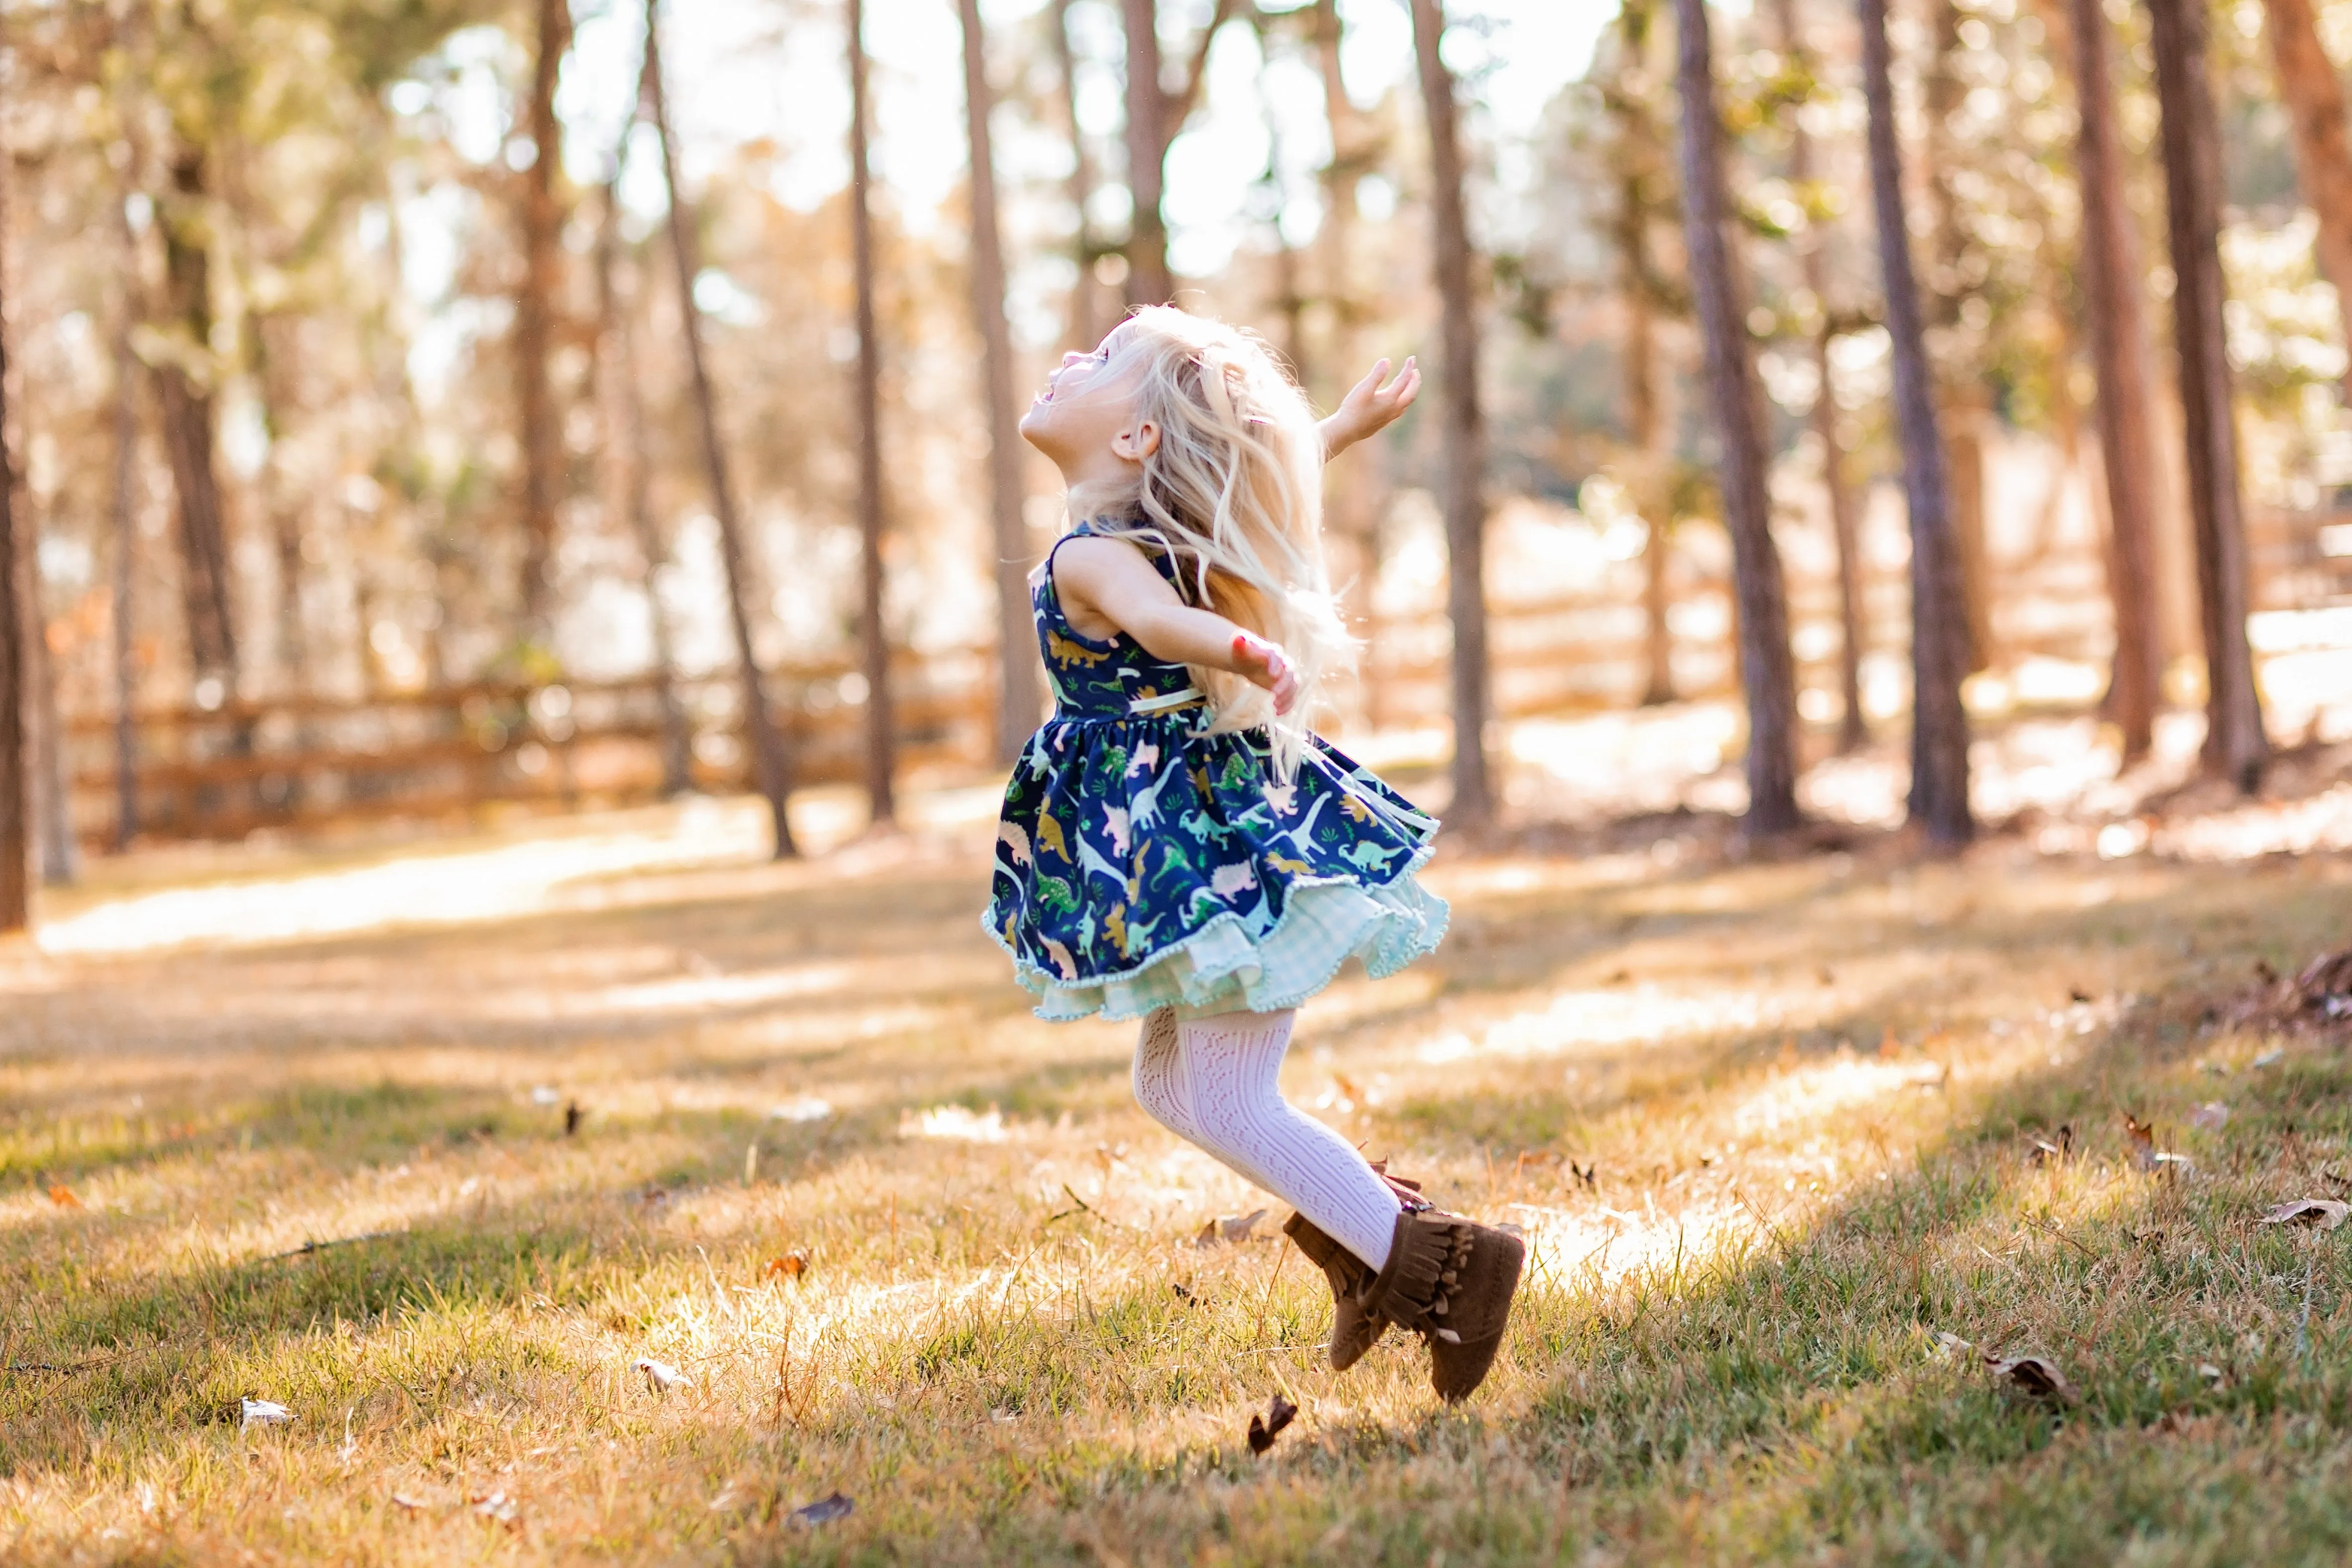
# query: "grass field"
x,y
905,1243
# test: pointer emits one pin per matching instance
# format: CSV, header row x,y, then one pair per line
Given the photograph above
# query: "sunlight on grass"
x,y
1765,1127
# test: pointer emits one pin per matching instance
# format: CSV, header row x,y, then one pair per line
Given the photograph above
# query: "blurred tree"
x,y
771,765
2110,274
534,328
1956,279
873,635
1087,316
629,453
1147,135
1019,695
2315,103
1812,258
1637,160
1939,723
1463,435
2235,745
17,621
184,375
123,532
1767,678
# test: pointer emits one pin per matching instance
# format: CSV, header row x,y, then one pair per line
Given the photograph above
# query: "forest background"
x,y
328,387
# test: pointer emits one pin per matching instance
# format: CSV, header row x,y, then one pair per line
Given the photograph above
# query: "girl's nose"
x,y
1072,358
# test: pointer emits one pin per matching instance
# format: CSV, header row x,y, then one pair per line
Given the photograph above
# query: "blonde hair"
x,y
1234,496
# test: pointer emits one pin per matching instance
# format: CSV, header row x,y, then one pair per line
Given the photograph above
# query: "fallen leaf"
x,y
1949,1345
1264,1430
1184,1293
413,1504
573,1117
2320,1213
2208,1372
497,1505
1347,1087
63,1196
2044,1152
2078,995
1228,1227
824,1510
2211,1117
2264,973
791,1266
2035,1374
544,1094
2142,1135
2270,1057
661,1374
1584,1174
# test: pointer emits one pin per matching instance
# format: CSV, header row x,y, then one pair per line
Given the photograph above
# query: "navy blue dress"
x,y
1142,863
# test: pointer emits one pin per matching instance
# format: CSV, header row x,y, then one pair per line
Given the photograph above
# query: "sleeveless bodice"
x,y
1099,678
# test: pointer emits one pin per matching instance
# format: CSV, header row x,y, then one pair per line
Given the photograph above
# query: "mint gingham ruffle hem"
x,y
1222,967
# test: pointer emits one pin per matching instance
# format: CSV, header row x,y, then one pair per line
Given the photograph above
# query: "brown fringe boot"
x,y
1354,1331
1450,1280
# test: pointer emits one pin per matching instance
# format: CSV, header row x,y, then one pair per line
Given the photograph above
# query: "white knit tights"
x,y
1212,1081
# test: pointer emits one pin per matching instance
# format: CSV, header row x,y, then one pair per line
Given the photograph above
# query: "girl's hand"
x,y
1369,408
1263,664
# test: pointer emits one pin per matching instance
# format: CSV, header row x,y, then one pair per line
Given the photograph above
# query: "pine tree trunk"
x,y
1086,315
873,635
48,796
284,506
1845,526
15,861
770,764
1939,724
1462,432
2111,285
2323,161
1965,407
625,412
1149,281
188,420
535,324
1631,146
1766,674
124,526
2235,745
1019,695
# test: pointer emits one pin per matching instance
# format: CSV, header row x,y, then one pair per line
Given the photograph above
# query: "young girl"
x,y
1178,846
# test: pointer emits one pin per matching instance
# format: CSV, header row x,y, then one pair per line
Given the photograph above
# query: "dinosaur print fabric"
x,y
1141,862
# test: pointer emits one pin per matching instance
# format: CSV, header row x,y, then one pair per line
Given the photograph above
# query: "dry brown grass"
x,y
1808,1088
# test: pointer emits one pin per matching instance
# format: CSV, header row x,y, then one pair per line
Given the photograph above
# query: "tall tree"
x,y
2314,104
183,385
872,636
1018,693
1149,281
770,764
1462,428
1638,167
2110,279
15,861
535,318
1766,674
2235,745
1952,281
1845,524
1939,649
624,414
124,521
1087,315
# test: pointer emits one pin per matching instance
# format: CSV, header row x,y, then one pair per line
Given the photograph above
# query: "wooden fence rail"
x,y
309,762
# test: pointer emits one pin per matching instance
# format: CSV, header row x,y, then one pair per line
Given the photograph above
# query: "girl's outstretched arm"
x,y
1370,407
1109,581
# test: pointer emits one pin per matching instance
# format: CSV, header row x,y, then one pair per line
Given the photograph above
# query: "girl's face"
x,y
1086,407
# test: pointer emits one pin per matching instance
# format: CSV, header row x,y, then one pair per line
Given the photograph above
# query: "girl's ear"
x,y
1137,441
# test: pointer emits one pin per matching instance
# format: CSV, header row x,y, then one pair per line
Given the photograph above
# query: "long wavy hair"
x,y
1234,496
